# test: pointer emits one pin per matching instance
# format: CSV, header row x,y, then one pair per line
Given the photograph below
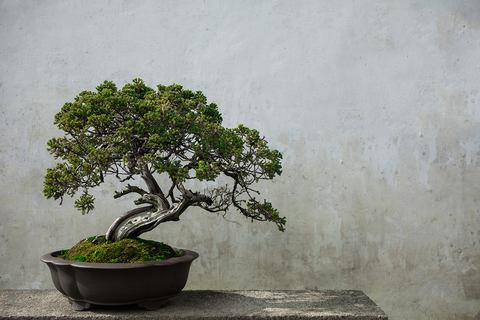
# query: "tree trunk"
x,y
140,220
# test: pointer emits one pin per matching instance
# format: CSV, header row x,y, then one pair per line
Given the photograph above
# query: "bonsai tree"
x,y
139,132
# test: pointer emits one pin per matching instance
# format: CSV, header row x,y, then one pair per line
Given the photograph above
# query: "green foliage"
x,y
129,250
255,210
169,131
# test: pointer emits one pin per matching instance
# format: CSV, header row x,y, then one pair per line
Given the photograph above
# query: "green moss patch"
x,y
98,249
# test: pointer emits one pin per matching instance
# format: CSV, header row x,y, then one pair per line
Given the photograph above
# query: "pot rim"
x,y
188,256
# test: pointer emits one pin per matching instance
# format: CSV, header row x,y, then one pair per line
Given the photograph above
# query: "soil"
x,y
130,250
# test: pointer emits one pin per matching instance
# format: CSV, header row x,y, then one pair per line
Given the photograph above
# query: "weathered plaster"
x,y
375,106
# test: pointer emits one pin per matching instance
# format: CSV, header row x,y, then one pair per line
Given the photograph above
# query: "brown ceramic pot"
x,y
148,284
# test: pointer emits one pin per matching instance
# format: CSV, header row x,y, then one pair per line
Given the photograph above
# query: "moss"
x,y
125,251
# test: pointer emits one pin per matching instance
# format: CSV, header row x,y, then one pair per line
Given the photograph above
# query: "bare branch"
x,y
129,189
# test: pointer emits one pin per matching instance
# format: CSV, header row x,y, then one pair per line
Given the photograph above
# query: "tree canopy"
x,y
139,131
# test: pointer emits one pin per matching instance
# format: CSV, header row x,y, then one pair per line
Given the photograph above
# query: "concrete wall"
x,y
374,104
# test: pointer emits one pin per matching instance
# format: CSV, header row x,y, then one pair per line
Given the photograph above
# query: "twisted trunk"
x,y
143,219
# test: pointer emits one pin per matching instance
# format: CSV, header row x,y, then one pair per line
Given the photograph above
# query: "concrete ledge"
x,y
325,304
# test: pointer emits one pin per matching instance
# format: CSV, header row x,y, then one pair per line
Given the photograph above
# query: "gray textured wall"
x,y
374,104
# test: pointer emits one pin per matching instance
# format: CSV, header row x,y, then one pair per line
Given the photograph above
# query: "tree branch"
x,y
153,186
129,189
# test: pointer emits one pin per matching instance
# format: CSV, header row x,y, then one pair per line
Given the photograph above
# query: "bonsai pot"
x,y
147,284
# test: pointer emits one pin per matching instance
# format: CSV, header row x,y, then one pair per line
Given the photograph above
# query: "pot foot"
x,y
152,305
79,305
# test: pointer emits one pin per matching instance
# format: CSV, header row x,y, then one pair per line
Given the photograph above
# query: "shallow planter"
x,y
148,284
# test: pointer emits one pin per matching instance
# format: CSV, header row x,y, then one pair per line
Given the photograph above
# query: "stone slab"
x,y
206,305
